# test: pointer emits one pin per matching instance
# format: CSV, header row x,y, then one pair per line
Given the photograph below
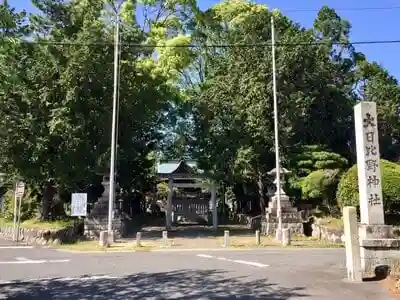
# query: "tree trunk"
x,y
261,196
326,202
47,198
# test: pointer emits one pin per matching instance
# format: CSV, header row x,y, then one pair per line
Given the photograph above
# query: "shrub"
x,y
347,193
29,205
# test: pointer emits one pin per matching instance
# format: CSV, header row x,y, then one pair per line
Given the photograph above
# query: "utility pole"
x,y
277,158
114,126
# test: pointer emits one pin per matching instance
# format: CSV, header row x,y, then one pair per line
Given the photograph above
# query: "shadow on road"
x,y
187,284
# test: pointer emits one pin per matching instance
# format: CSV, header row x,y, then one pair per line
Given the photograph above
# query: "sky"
x,y
368,24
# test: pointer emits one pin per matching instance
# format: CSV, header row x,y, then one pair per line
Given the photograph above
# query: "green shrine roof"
x,y
172,166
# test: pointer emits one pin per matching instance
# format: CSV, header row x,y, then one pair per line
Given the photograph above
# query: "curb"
x,y
155,250
192,250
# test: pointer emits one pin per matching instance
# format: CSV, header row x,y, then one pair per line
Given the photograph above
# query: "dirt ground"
x,y
393,286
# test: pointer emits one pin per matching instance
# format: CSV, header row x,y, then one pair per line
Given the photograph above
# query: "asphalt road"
x,y
43,273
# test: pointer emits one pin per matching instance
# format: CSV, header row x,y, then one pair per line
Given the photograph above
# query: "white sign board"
x,y
19,189
79,205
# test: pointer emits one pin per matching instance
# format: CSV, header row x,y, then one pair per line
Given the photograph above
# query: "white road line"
x,y
22,260
204,255
58,260
244,262
16,247
62,279
251,263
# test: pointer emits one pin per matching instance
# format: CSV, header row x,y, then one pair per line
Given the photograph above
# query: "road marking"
x,y
23,260
204,255
61,279
58,260
251,263
244,262
16,247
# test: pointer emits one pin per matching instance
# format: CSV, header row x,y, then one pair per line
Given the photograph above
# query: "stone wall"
x,y
38,236
292,220
93,227
335,236
269,228
331,235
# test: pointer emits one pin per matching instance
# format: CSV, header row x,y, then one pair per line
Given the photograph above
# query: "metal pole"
x,y
19,217
113,128
117,122
277,160
15,213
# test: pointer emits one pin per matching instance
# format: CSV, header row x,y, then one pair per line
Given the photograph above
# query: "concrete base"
x,y
286,206
93,227
377,246
286,238
104,239
269,228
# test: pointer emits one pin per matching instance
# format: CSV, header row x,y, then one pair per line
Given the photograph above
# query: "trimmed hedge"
x,y
347,193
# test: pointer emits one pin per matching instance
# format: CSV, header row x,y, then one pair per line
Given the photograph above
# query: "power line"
x,y
343,9
238,45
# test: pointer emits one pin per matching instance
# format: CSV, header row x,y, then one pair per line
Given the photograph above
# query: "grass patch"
x,y
37,223
91,246
333,223
200,243
310,242
297,242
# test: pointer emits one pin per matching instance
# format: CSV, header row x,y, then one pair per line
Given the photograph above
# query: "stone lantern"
x,y
289,216
285,201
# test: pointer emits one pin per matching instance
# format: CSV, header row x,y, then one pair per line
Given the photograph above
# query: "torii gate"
x,y
176,171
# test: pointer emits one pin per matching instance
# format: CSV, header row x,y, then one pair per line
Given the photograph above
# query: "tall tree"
x,y
234,108
376,84
57,118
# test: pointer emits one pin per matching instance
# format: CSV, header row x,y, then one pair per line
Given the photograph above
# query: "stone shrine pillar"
x,y
368,166
375,237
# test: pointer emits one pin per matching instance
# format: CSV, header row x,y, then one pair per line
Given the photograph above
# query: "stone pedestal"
x,y
291,218
97,220
377,246
269,224
286,206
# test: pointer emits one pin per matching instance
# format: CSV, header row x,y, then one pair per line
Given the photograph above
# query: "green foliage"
x,y
376,84
213,104
347,193
29,205
320,184
317,172
310,158
312,185
162,190
55,120
230,197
